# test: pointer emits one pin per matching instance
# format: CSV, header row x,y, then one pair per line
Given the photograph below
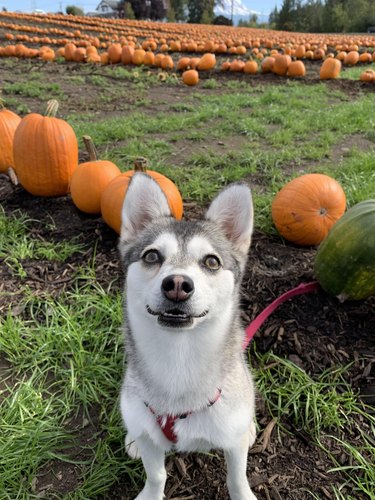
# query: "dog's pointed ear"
x,y
144,202
233,211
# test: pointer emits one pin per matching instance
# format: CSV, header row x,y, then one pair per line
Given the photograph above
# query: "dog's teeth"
x,y
175,315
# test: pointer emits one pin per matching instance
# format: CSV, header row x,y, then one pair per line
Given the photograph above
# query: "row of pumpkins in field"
x,y
282,64
309,210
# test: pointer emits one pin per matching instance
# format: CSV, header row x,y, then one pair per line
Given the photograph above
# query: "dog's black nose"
x,y
177,287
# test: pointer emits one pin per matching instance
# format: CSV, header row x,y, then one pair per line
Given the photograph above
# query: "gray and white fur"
x,y
183,335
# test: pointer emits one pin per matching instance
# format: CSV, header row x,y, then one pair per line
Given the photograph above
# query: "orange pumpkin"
x,y
69,51
237,65
296,69
9,121
138,57
114,194
89,180
330,69
167,63
267,64
190,77
305,209
281,64
183,63
127,54
206,62
367,76
250,68
351,58
45,153
114,53
300,52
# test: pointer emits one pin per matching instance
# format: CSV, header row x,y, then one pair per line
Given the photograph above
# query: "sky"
x,y
263,6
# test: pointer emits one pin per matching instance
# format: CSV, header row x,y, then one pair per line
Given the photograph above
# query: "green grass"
x,y
353,73
287,128
16,244
66,358
318,406
42,90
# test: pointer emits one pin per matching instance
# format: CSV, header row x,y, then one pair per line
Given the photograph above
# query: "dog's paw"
x,y
131,448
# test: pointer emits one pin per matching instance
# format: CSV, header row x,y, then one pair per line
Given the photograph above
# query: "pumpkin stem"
x,y
52,107
12,176
90,148
2,105
140,164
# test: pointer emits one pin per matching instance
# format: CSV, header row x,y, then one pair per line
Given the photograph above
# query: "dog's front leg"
x,y
236,459
153,461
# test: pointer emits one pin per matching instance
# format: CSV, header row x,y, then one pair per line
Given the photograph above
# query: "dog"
x,y
187,386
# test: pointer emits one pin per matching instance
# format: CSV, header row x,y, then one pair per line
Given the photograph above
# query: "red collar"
x,y
166,423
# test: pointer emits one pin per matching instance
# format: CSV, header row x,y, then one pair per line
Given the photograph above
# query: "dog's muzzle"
x,y
175,317
177,289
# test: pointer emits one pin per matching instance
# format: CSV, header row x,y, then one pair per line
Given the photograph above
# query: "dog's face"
x,y
181,274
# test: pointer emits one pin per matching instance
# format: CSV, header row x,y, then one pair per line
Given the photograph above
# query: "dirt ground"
x,y
314,331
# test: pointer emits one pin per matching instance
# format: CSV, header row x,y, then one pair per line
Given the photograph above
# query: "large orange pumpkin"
x,y
305,209
114,194
90,179
45,153
330,69
281,64
8,124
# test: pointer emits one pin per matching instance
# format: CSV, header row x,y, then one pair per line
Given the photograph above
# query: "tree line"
x,y
310,16
191,11
330,16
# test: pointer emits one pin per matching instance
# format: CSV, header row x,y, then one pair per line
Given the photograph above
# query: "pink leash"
x,y
261,318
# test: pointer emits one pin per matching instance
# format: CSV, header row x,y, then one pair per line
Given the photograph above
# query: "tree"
x,y
74,11
202,10
285,19
179,9
222,21
125,10
154,9
273,17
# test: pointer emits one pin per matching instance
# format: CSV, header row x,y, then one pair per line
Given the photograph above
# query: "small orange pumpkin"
x,y
296,69
305,209
250,68
367,76
45,153
138,57
206,62
90,179
183,63
267,64
351,58
9,121
114,194
190,77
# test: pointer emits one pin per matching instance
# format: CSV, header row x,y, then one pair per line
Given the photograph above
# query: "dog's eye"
x,y
212,262
151,257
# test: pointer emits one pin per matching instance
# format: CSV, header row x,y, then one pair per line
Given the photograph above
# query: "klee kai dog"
x,y
187,386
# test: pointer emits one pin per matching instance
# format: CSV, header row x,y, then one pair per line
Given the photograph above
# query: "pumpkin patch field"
x,y
198,107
